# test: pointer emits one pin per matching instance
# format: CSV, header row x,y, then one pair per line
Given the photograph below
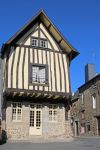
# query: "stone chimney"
x,y
89,72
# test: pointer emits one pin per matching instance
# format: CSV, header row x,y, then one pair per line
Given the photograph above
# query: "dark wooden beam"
x,y
59,41
49,26
37,94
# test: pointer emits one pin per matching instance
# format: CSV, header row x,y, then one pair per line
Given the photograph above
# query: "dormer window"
x,y
43,43
34,42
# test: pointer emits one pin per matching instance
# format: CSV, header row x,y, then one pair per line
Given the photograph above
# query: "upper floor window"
x,y
16,111
34,42
39,74
82,114
94,101
43,43
82,98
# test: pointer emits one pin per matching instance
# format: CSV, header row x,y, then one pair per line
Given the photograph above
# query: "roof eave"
x,y
97,76
62,38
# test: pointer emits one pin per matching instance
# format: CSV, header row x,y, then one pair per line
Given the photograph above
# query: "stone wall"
x,y
90,114
20,130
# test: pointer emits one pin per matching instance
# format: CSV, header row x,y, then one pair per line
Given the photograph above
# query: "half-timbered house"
x,y
36,81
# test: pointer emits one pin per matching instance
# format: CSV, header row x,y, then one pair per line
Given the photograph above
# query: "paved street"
x,y
77,144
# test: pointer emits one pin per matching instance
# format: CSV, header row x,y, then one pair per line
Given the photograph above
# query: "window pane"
x,y
38,74
52,112
42,75
94,101
82,97
34,42
43,43
14,117
35,72
14,104
17,111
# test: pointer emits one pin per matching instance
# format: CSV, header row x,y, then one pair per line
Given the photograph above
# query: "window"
x,y
94,101
82,115
43,43
39,74
16,111
82,128
52,112
88,127
82,98
72,121
34,42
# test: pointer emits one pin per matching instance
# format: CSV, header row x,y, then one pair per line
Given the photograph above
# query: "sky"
x,y
77,20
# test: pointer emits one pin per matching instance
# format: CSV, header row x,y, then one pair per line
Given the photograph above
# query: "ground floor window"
x,y
88,127
16,111
52,112
82,128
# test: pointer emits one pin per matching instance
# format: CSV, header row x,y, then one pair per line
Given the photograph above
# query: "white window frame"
x,y
34,42
43,43
94,101
53,113
38,74
16,117
82,98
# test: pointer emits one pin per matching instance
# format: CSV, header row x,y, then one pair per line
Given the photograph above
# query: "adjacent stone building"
x,y
85,110
36,81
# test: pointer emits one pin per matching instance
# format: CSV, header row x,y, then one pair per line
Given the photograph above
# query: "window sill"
x,y
39,84
15,121
53,121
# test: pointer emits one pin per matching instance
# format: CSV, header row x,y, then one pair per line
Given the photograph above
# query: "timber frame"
x,y
65,48
35,93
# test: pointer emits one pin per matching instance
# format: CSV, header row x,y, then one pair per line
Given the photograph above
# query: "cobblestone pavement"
x,y
78,144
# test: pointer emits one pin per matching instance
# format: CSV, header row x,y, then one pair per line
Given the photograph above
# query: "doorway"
x,y
76,128
98,121
35,119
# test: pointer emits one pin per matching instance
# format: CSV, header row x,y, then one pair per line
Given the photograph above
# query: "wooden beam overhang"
x,y
22,93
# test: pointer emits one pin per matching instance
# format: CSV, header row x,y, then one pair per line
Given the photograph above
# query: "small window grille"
x,y
34,42
52,113
43,43
39,74
94,101
16,111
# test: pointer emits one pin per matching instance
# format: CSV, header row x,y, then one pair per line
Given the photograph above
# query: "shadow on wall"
x,y
3,137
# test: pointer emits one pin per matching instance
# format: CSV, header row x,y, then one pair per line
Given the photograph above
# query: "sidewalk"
x,y
41,140
87,136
